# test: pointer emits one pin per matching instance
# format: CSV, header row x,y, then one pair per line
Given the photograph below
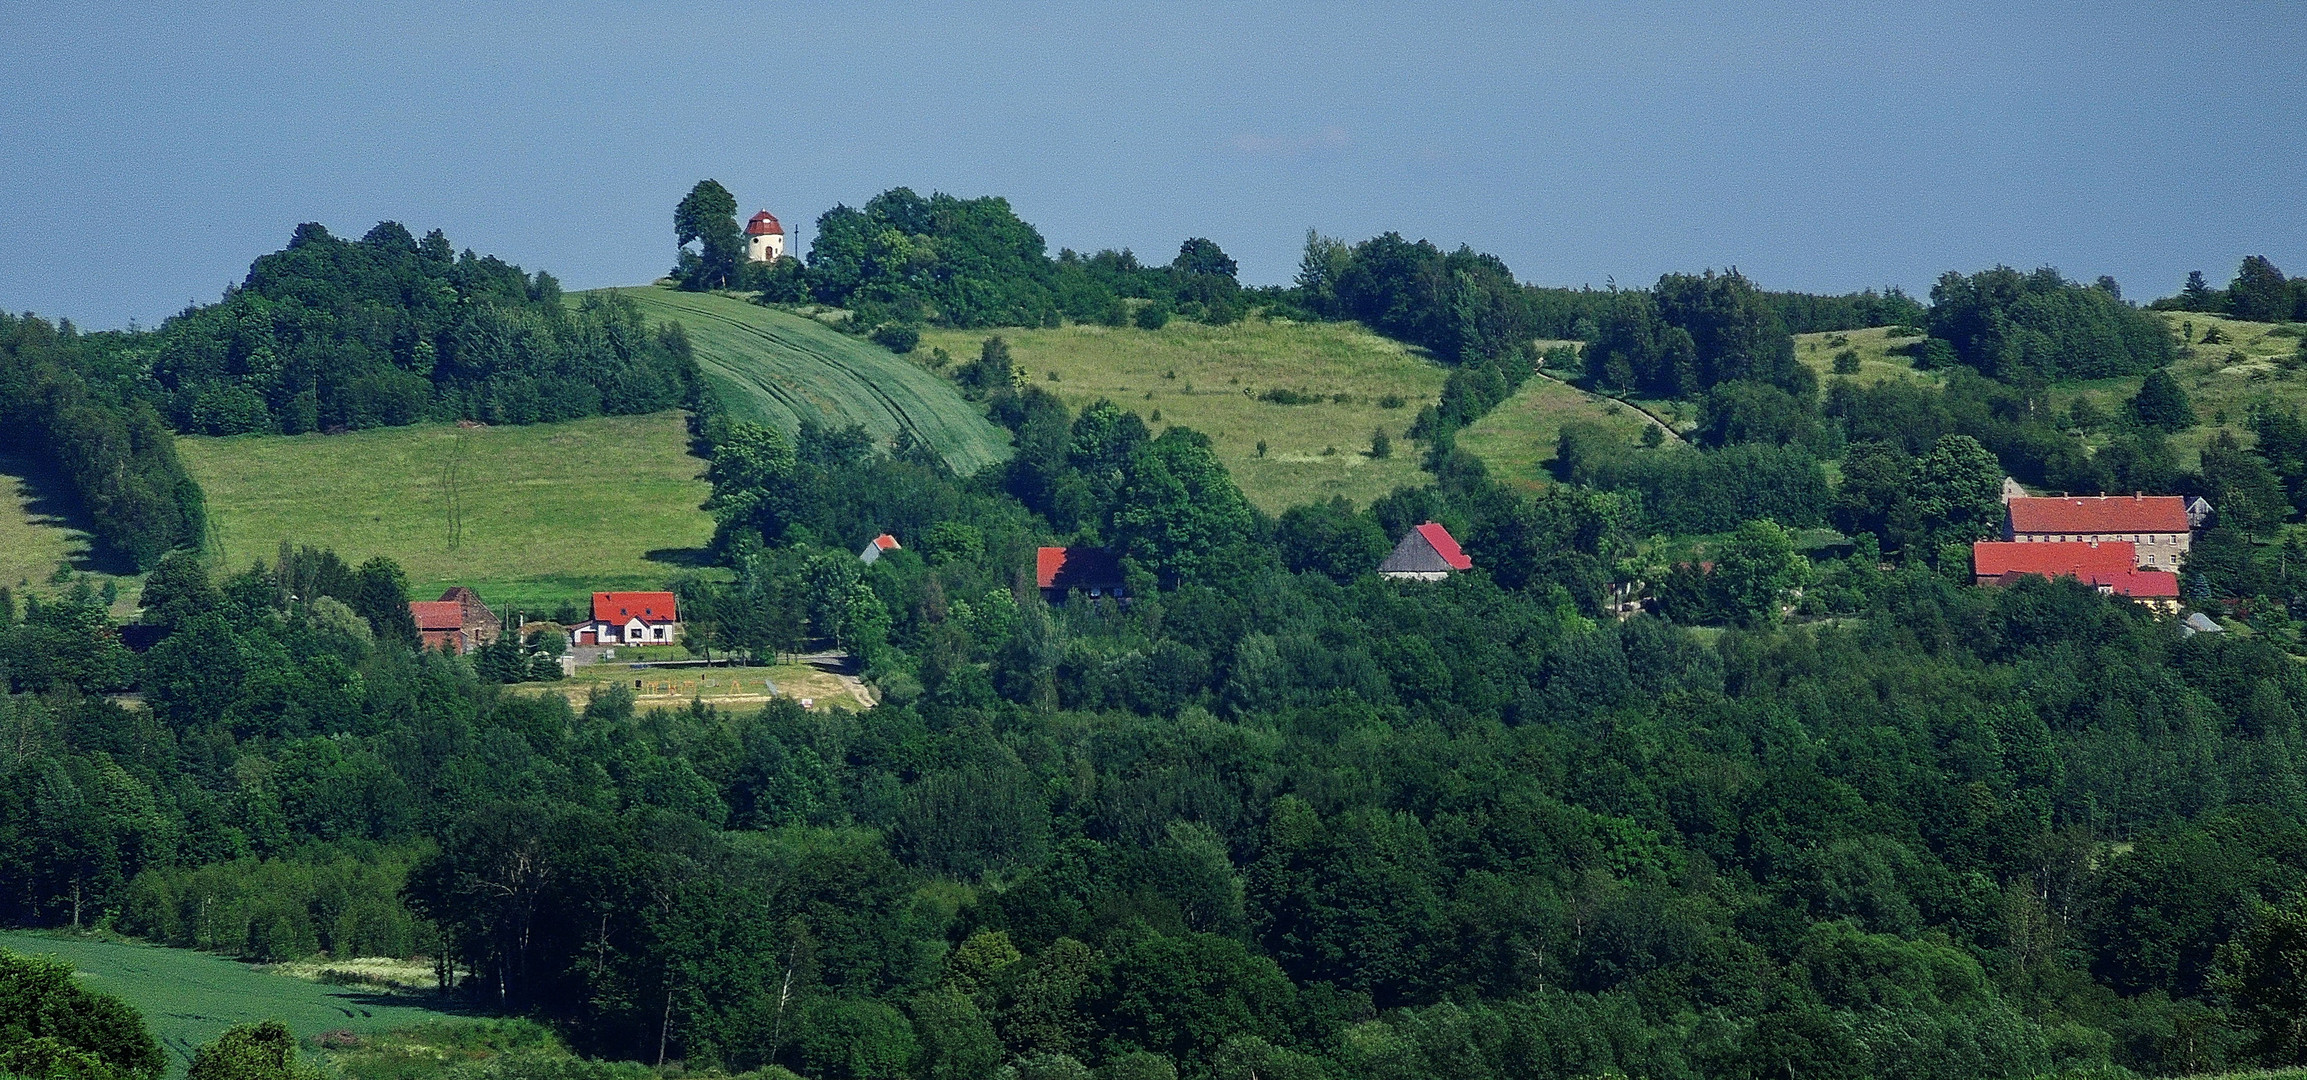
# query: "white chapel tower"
x,y
764,238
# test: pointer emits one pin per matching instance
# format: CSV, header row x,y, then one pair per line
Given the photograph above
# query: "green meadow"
x,y
1877,362
775,367
1209,377
2256,364
1517,439
188,998
528,515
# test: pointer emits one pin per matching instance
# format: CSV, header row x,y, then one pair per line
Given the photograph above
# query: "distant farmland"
x,y
544,512
776,367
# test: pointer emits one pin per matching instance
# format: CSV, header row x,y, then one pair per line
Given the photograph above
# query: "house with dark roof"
x,y
1426,553
630,618
2157,525
1093,572
457,622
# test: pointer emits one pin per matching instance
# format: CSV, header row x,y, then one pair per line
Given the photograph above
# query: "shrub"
x,y
1846,362
1153,316
897,337
1391,401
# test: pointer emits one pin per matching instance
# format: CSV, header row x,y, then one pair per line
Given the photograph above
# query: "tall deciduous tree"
x,y
2162,404
707,215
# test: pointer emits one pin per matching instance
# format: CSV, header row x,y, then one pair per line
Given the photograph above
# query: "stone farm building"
x,y
2156,525
457,622
630,618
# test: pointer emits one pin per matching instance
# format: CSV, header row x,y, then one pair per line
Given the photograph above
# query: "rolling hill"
x,y
775,367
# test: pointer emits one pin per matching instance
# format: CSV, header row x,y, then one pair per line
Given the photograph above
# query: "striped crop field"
x,y
775,367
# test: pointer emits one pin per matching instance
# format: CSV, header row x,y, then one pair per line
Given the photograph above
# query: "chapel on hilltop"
x,y
764,238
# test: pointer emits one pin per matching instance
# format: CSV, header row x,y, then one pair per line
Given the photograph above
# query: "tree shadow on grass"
x,y
50,504
687,558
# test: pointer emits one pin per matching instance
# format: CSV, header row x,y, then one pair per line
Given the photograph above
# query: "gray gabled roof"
x,y
1414,556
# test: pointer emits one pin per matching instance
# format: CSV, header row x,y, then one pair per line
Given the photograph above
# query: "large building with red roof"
x,y
630,618
2111,566
2156,525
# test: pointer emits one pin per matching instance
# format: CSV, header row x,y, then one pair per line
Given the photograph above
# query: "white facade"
x,y
765,247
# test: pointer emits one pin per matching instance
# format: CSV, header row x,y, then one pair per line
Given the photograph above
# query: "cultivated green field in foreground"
x,y
189,998
1205,378
775,367
550,512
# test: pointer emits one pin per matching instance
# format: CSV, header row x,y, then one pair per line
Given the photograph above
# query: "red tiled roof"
x,y
885,542
649,607
1445,545
2055,558
2142,584
437,614
1076,568
764,224
2100,514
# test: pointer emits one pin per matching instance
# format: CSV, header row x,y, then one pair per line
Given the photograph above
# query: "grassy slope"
x,y
189,998
1196,375
34,537
38,533
1517,439
551,511
2224,380
775,367
1876,361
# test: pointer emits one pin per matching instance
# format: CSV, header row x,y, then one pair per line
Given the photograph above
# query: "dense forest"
x,y
1805,810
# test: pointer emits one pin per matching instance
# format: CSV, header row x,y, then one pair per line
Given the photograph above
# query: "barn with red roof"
x,y
457,622
1426,553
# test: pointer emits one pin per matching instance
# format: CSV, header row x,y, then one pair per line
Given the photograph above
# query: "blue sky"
x,y
145,158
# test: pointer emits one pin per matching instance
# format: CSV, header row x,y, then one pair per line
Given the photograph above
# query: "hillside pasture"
x,y
1517,439
774,367
532,515
2256,365
1877,362
41,531
188,998
1209,377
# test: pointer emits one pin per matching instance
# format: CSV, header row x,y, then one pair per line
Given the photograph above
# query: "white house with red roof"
x,y
1426,553
876,546
2157,525
630,618
764,238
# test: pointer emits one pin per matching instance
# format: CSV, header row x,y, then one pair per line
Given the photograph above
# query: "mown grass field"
x,y
189,998
1206,378
550,512
775,367
1517,439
